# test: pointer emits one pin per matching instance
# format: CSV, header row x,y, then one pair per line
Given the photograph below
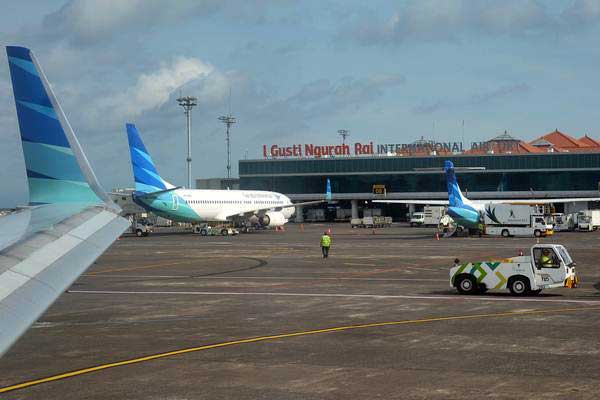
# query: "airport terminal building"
x,y
554,165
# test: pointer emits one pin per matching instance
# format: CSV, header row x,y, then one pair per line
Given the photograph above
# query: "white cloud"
x,y
88,20
154,89
84,22
582,13
445,20
481,98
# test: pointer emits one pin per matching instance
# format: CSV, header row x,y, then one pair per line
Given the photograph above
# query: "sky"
x,y
297,72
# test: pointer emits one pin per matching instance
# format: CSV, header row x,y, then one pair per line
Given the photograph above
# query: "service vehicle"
x,y
588,220
432,215
207,230
563,222
356,223
417,219
515,220
546,266
141,227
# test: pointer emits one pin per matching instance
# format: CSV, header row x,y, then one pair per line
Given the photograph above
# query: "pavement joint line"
x,y
373,296
138,360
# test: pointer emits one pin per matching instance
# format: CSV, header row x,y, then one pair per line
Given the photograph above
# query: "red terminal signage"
x,y
312,150
359,149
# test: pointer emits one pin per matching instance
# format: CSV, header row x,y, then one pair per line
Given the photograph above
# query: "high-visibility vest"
x,y
546,260
326,241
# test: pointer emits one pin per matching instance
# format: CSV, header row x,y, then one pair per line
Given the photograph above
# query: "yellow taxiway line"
x,y
281,336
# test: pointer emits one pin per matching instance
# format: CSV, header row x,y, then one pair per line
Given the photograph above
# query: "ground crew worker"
x,y
325,244
546,260
480,229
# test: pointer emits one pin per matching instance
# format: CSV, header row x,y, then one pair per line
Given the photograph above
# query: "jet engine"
x,y
272,219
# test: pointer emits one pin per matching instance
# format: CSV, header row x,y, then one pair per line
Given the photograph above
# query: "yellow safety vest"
x,y
325,241
546,260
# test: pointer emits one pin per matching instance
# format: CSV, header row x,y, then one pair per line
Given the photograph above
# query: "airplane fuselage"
x,y
467,215
198,205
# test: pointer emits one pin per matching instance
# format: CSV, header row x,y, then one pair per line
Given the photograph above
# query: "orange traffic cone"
x,y
437,236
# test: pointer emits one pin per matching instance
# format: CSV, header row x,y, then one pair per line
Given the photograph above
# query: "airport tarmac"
x,y
263,316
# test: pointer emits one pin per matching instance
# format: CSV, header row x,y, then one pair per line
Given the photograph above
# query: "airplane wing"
x,y
540,201
70,220
494,201
426,202
157,193
228,214
458,199
305,203
225,215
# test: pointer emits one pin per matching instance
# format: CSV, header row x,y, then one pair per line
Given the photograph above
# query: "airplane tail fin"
x,y
455,196
57,169
145,175
328,190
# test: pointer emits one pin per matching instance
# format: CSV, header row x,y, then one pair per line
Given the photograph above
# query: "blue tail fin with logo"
x,y
328,190
145,175
57,169
455,196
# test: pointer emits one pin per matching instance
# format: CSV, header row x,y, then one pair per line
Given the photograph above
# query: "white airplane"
x,y
469,213
153,193
69,221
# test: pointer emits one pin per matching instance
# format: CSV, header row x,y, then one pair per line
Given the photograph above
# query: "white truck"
x,y
563,222
432,215
588,220
141,227
547,266
417,219
368,222
515,220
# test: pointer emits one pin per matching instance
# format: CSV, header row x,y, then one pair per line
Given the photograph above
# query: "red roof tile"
x,y
589,141
563,141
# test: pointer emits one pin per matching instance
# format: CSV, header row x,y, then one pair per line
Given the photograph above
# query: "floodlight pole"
x,y
188,102
228,120
344,133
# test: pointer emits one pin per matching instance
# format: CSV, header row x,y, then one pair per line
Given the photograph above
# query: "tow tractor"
x,y
521,275
207,230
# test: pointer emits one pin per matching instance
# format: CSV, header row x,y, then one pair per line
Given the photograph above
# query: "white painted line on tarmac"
x,y
361,264
370,296
258,278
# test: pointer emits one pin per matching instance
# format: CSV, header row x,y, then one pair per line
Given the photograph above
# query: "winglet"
x,y
328,190
145,175
57,169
